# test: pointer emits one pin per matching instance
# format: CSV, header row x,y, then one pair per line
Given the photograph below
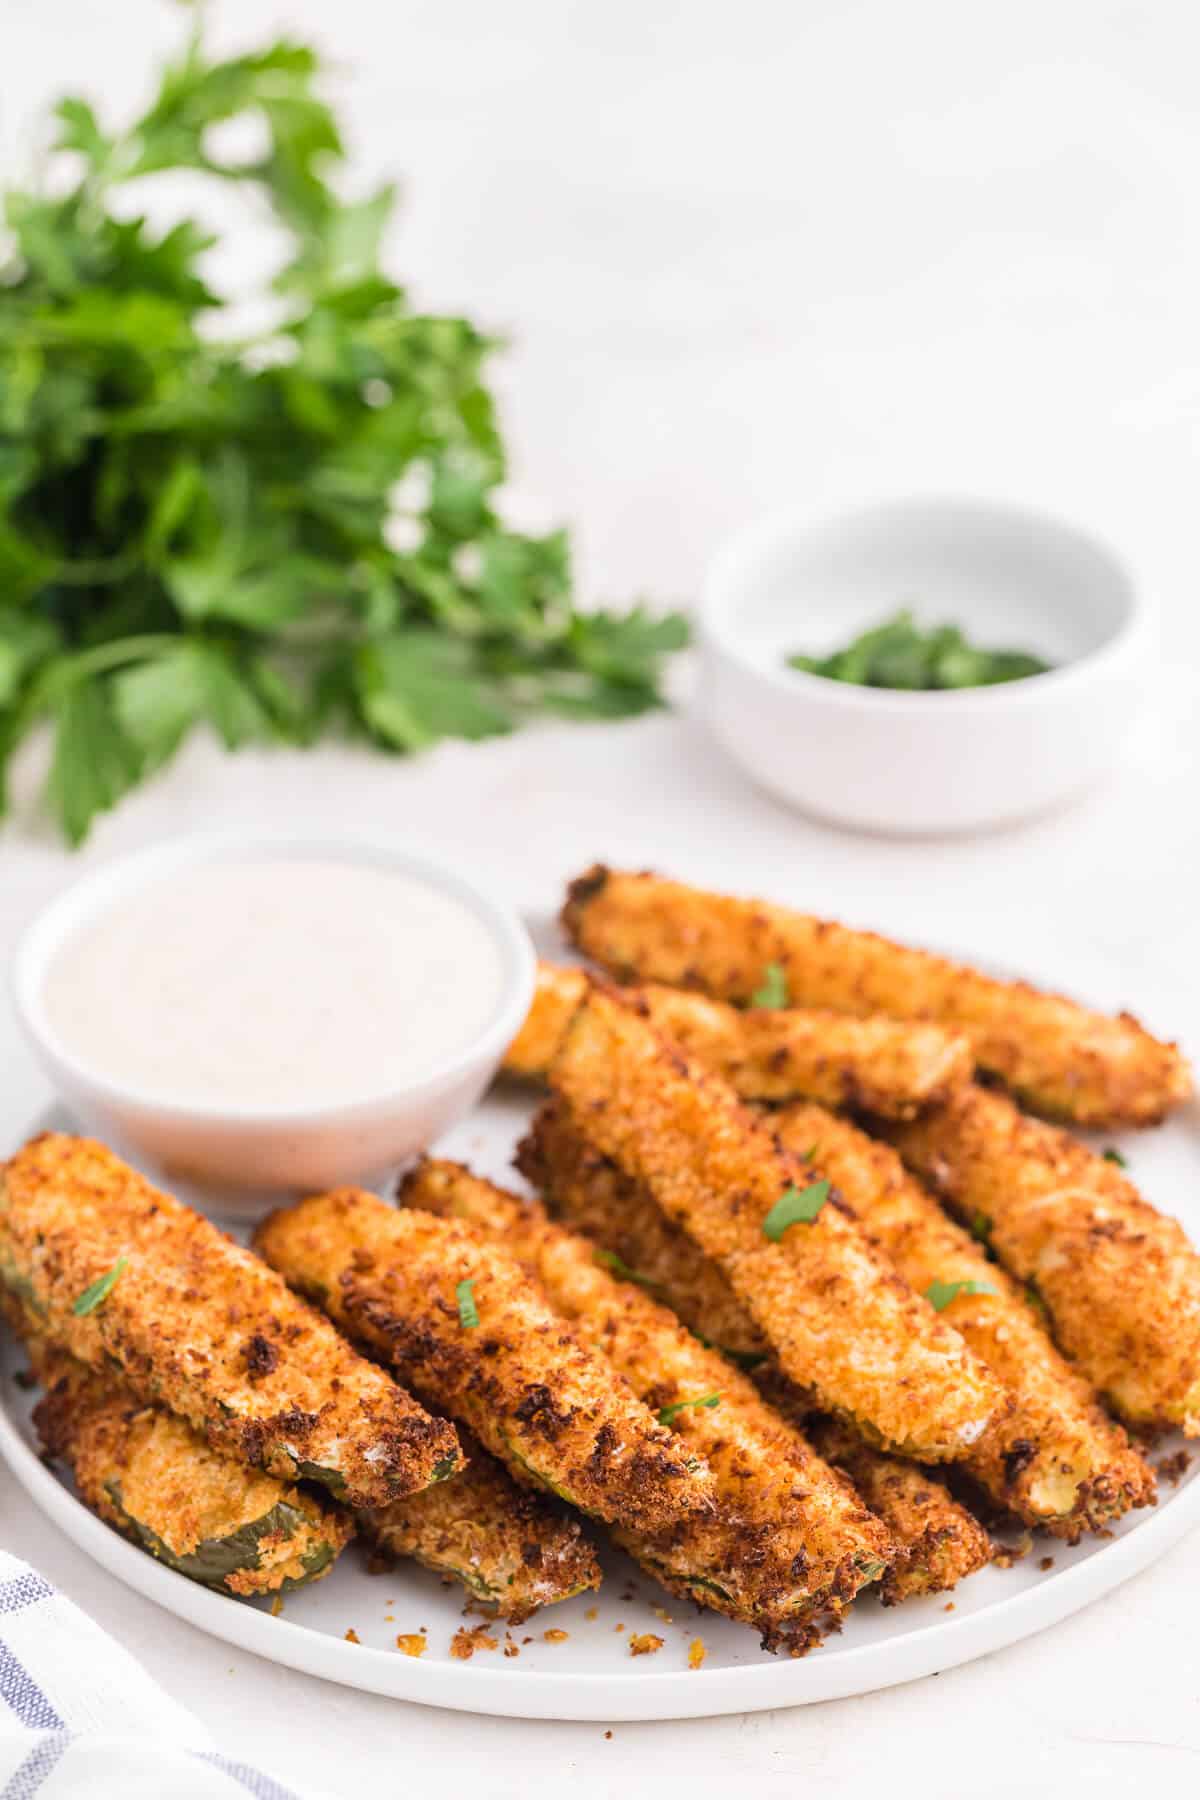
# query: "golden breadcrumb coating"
x,y
554,1412
512,1550
880,1065
787,1539
1056,1459
588,1191
1119,1280
1061,1058
934,1539
939,1543
154,1478
838,1317
203,1326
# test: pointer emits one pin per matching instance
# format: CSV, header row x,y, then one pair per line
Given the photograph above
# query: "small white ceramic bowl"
x,y
923,763
234,1158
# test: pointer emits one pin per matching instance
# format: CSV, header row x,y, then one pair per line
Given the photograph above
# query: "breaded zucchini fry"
x,y
787,1539
634,1238
1119,1280
938,1542
154,1478
933,1538
1061,1058
122,1274
470,1330
881,1065
1056,1459
511,1549
838,1317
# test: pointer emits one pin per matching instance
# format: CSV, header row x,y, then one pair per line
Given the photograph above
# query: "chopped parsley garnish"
x,y
940,1293
668,1413
468,1312
898,654
608,1259
774,989
798,1206
981,1227
1113,1155
94,1296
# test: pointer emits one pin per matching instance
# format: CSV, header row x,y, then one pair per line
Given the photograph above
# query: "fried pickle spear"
x,y
470,1331
156,1480
879,1065
938,1542
510,1548
121,1274
1060,1058
1119,1280
787,1539
839,1319
935,1540
1056,1460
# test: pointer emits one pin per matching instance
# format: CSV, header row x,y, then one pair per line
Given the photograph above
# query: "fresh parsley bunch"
x,y
196,527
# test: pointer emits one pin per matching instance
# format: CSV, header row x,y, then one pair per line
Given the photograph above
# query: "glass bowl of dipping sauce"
x,y
257,1014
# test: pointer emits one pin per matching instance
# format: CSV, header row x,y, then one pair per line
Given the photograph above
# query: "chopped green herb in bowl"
x,y
898,654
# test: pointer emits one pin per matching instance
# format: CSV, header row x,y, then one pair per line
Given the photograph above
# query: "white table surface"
x,y
753,255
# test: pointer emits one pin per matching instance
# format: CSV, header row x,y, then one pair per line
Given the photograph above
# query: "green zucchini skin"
x,y
149,1474
214,1561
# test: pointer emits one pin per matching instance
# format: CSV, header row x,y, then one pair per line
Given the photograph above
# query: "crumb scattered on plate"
x,y
696,1653
352,1636
644,1643
555,1635
466,1642
1173,1468
413,1643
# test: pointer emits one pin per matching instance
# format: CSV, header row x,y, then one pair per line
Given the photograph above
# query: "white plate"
x,y
591,1675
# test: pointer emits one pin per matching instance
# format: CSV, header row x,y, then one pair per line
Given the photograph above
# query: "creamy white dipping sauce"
x,y
275,983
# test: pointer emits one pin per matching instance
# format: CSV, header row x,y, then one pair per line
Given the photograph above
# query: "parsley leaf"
x,y
98,1292
1113,1155
468,1312
273,536
667,1414
795,1207
774,989
898,654
608,1259
940,1293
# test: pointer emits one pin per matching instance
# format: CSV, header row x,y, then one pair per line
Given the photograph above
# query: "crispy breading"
x,y
592,1195
203,1326
554,1412
838,1317
1061,1058
939,1543
881,1065
787,1539
154,1478
1056,1459
512,1550
932,1541
1119,1280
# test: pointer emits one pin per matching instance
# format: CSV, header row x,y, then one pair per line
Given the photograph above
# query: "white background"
x,y
753,255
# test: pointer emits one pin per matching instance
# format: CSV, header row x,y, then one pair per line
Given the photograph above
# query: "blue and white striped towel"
x,y
79,1717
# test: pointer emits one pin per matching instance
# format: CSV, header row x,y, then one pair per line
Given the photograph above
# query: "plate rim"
x,y
830,1673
